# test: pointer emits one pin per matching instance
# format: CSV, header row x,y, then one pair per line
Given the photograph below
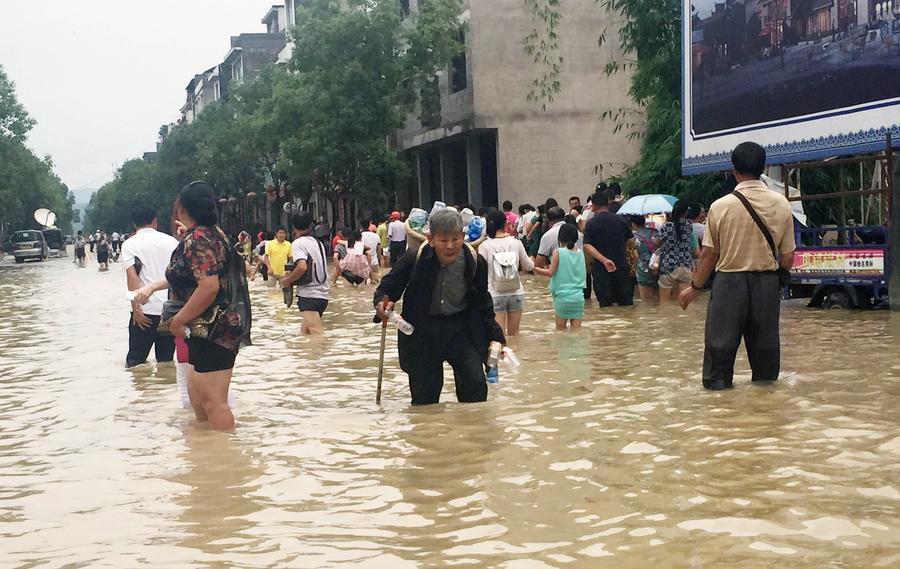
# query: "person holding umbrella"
x,y
444,286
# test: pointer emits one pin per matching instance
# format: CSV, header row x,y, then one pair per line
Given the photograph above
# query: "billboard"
x,y
806,79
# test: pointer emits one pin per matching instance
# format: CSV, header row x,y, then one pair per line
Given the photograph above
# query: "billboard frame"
x,y
851,142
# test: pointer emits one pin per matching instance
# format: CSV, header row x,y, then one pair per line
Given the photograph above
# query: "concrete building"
x,y
290,20
275,20
480,140
203,90
248,54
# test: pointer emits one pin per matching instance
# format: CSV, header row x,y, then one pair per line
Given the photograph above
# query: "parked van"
x,y
29,244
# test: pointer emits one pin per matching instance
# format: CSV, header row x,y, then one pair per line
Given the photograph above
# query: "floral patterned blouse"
x,y
202,253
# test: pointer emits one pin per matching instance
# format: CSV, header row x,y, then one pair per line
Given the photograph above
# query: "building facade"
x,y
248,54
478,139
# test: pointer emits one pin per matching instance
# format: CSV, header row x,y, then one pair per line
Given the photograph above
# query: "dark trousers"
x,y
140,342
447,340
587,285
612,288
748,306
264,271
397,248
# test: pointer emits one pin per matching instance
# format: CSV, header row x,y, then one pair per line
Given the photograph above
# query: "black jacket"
x,y
415,274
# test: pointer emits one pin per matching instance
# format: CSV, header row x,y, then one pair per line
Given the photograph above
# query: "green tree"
x,y
325,122
358,70
649,43
14,120
27,182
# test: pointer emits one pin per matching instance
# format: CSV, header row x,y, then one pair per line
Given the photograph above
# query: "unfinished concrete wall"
x,y
552,152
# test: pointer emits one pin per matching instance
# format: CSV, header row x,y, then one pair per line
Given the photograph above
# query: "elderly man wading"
x,y
447,300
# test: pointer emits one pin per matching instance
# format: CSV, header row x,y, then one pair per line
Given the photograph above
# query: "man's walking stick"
x,y
384,324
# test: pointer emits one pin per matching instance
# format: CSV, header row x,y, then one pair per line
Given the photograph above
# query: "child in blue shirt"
x,y
567,274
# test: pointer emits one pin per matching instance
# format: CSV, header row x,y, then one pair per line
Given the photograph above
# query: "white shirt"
x,y
309,249
372,241
527,218
115,236
504,244
397,231
154,249
699,231
550,241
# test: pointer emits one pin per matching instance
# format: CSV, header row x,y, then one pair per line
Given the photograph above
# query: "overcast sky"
x,y
101,76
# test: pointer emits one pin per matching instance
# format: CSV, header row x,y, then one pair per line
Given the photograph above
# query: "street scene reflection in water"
x,y
603,450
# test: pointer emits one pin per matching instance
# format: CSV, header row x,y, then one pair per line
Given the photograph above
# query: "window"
x,y
459,79
431,105
25,236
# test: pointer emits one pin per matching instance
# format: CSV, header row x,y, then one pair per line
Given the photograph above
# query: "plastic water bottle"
x,y
494,354
437,207
511,360
493,374
402,325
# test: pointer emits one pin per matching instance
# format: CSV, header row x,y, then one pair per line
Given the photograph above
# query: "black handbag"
x,y
200,327
784,275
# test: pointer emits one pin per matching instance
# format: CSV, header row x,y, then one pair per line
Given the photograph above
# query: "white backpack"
x,y
505,271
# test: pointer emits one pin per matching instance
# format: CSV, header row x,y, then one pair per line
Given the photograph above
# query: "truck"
x,y
851,274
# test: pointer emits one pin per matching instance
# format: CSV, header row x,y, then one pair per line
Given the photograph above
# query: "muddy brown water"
x,y
603,451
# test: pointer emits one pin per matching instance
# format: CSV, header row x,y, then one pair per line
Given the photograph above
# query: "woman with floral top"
x,y
196,277
677,250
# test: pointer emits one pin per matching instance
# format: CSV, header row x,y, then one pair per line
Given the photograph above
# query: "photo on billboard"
x,y
806,78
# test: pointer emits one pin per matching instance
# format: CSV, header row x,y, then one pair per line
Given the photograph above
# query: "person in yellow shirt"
x,y
278,251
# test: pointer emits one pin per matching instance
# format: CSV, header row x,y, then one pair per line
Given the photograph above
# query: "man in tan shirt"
x,y
746,295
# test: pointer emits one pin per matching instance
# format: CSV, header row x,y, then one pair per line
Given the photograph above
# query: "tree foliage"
x,y
649,43
358,70
27,182
323,123
14,120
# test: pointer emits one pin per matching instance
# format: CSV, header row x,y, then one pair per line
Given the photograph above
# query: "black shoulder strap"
x,y
759,222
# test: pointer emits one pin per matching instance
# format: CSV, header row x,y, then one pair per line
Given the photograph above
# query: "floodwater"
x,y
603,451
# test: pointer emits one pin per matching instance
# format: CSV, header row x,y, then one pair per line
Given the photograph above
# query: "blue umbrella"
x,y
647,204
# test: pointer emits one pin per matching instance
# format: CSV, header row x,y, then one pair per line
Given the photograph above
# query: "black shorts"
x,y
312,305
208,356
353,279
79,253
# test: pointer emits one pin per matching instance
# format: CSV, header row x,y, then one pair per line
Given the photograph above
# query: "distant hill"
x,y
80,206
83,195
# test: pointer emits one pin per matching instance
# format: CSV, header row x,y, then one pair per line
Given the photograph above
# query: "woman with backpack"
x,y
505,256
204,276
